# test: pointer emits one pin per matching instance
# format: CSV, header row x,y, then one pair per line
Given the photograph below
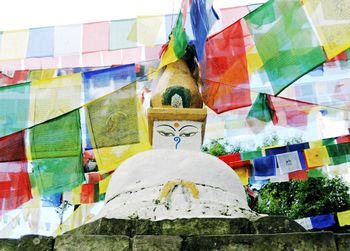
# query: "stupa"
x,y
176,180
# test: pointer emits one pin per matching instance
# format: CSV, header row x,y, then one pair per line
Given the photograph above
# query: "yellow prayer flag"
x,y
317,156
53,97
76,192
41,74
316,143
344,218
103,184
332,23
254,61
243,174
133,33
148,28
13,45
109,158
168,56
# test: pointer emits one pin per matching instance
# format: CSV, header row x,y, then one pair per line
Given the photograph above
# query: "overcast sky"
x,y
20,14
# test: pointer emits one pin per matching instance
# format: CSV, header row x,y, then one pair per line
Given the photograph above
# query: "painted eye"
x,y
166,134
187,134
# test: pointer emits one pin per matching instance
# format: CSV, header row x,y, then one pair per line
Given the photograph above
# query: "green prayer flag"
x,y
251,155
285,41
260,109
180,38
315,173
329,141
59,137
57,175
14,108
339,160
113,119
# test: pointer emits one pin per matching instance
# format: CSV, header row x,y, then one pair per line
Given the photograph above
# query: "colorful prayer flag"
x,y
60,137
264,166
322,221
58,175
288,48
53,97
224,69
14,108
262,109
331,21
288,162
40,42
177,45
316,157
112,120
344,218
15,185
12,147
95,37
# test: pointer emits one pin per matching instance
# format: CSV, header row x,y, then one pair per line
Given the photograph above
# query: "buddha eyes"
x,y
166,134
187,134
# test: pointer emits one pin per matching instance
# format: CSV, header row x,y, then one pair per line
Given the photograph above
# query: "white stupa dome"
x,y
168,184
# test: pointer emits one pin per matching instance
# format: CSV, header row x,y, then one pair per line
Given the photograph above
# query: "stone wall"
x,y
268,233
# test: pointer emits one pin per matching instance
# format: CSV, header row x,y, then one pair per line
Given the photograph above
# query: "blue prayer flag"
x,y
322,221
275,150
41,42
265,166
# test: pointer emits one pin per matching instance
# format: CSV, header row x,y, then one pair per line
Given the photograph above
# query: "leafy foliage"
x,y
220,146
298,199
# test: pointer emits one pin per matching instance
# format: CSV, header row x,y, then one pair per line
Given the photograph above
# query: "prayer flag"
x,y
343,139
95,37
274,150
146,29
54,97
18,76
14,108
12,147
322,221
112,120
67,40
251,155
298,147
288,48
332,23
316,157
41,42
118,34
262,109
227,158
60,137
232,15
344,218
177,45
298,175
41,74
15,185
52,200
224,69
264,166
13,44
102,82
200,24
109,158
315,173
58,175
288,162
305,223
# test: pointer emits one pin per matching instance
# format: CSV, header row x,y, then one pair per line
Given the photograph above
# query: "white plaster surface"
x,y
135,188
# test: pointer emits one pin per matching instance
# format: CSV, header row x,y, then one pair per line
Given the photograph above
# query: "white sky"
x,y
20,14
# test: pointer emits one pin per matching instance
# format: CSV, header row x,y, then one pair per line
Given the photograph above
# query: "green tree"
x,y
298,199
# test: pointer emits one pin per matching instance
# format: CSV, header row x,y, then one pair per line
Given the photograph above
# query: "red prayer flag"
x,y
343,139
224,69
15,185
228,158
298,175
12,147
17,77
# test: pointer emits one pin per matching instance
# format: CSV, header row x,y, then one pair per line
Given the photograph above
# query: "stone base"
x,y
268,233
